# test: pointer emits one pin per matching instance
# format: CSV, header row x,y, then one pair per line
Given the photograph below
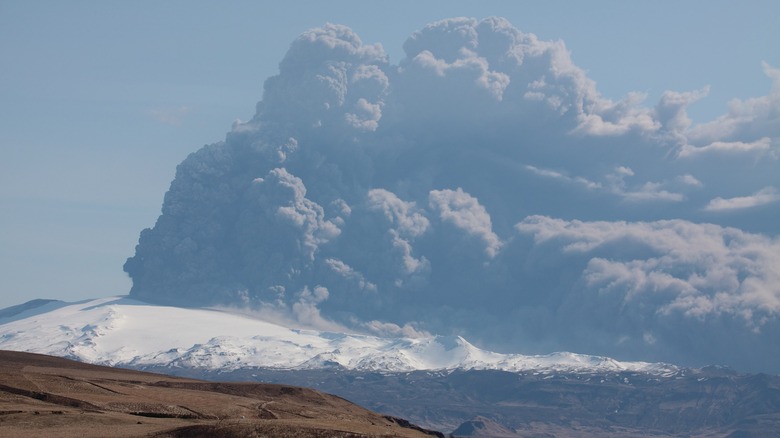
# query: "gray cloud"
x,y
294,210
482,186
696,269
658,280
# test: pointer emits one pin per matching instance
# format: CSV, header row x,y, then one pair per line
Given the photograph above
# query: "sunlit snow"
x,y
122,331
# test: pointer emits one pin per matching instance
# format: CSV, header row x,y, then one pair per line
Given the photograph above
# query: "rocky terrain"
x,y
708,402
47,396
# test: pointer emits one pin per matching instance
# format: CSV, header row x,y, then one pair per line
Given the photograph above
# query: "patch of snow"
x,y
122,331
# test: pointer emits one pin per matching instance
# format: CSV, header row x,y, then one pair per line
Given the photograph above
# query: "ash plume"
x,y
483,186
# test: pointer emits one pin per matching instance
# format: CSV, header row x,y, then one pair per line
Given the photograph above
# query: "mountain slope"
x,y
438,382
121,331
47,396
708,402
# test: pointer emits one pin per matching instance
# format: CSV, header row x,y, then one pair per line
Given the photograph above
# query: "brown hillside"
x,y
44,396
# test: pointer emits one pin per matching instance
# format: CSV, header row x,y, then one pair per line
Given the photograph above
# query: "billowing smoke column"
x,y
483,187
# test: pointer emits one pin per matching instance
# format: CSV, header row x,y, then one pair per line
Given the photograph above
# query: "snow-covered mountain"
x,y
122,331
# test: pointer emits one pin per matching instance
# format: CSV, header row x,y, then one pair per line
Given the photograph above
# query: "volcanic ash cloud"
x,y
483,186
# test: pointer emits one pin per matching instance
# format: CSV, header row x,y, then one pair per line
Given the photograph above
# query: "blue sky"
x,y
99,101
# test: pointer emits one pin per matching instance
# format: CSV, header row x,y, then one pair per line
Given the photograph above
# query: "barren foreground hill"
x,y
48,396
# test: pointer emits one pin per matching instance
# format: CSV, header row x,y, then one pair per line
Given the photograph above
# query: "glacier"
x,y
119,331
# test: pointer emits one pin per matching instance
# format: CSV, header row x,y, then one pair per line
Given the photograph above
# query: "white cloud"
x,y
464,212
348,273
765,196
747,120
690,180
407,223
307,313
469,66
649,191
407,218
759,147
615,184
608,118
671,110
580,181
394,330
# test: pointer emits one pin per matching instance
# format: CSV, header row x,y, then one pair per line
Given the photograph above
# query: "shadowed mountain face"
x,y
47,396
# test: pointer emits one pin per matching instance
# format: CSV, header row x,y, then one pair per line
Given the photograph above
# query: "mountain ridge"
x,y
557,394
126,332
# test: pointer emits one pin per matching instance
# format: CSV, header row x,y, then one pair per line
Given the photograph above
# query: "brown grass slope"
x,y
44,396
